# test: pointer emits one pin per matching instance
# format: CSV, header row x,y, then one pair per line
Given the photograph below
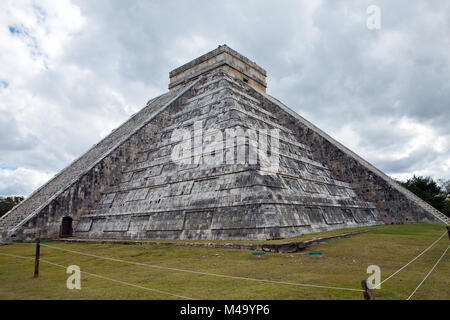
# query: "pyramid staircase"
x,y
32,205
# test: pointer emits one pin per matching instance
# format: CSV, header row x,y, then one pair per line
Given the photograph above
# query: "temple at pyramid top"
x,y
223,58
215,180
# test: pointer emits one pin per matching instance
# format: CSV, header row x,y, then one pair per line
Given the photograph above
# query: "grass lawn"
x,y
343,264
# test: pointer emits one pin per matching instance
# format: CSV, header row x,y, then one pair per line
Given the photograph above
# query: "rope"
x,y
439,260
204,273
234,277
410,261
101,277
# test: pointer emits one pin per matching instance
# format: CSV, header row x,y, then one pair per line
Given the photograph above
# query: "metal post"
x,y
448,232
368,293
36,260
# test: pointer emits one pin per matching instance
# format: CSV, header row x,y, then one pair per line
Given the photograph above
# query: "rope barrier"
x,y
439,260
410,261
236,277
204,273
102,277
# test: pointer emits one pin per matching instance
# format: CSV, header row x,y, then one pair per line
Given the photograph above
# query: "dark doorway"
x,y
66,227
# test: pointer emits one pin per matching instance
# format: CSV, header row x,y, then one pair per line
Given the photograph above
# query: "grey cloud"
x,y
415,161
12,139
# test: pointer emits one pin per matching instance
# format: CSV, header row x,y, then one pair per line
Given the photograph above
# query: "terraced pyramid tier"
x,y
235,199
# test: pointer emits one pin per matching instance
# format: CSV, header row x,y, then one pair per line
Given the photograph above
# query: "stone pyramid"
x,y
214,158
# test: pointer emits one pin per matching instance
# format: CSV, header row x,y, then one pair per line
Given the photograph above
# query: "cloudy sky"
x,y
72,70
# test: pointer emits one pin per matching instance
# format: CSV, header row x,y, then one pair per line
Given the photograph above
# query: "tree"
x,y
434,193
445,185
8,203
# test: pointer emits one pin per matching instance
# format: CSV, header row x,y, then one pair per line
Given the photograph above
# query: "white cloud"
x,y
21,181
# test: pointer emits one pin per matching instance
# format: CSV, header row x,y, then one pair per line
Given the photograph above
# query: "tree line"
x,y
435,193
7,203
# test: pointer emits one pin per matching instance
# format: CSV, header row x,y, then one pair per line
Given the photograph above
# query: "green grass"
x,y
343,264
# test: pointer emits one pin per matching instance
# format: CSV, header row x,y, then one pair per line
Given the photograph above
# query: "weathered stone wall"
x,y
394,206
34,203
